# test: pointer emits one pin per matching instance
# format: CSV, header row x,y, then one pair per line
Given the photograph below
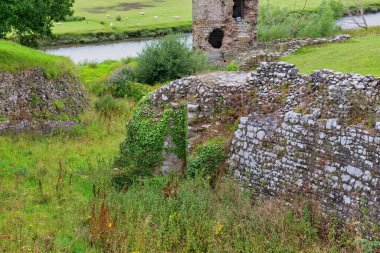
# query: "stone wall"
x,y
31,102
212,101
224,27
317,134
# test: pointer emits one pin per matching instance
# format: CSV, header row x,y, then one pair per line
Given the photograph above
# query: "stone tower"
x,y
223,28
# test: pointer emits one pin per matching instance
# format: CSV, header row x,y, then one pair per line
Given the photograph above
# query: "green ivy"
x,y
207,158
142,150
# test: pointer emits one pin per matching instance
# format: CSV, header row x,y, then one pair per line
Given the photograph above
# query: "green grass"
x,y
52,189
97,72
14,57
33,204
359,55
96,11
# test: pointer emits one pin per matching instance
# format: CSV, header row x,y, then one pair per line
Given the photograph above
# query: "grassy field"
x,y
168,13
156,14
14,57
56,196
359,55
56,193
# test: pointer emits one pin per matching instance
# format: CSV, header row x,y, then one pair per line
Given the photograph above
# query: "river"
x,y
106,51
131,48
372,19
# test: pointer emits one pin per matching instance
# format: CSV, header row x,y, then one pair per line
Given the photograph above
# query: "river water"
x,y
349,22
108,51
131,48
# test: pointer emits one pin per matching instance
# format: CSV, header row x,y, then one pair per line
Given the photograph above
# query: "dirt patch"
x,y
119,7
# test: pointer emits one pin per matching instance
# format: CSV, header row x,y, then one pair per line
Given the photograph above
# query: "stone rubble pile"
x,y
31,102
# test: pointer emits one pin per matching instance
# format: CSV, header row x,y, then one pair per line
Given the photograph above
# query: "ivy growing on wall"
x,y
143,148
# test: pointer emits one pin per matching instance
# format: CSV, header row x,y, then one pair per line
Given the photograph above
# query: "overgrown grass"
x,y
95,74
68,209
56,196
359,55
14,57
46,181
375,30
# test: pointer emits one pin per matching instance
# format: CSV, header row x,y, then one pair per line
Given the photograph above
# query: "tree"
x,y
357,13
31,19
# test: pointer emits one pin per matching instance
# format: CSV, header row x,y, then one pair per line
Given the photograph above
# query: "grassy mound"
x,y
359,55
14,57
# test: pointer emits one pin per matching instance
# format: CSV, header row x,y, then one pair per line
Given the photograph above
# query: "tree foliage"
x,y
168,59
30,19
282,23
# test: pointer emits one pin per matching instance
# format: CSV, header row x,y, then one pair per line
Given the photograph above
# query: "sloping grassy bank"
x,y
14,57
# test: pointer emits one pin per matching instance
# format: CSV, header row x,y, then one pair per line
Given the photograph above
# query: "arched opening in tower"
x,y
216,38
237,11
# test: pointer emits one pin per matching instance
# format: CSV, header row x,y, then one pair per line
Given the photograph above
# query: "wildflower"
x,y
174,216
110,225
219,229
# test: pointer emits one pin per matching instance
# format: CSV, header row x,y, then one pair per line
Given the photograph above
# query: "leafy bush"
x,y
207,158
136,91
73,18
118,18
279,23
121,83
167,59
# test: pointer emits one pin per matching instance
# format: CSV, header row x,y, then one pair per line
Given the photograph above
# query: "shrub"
x,y
167,59
137,91
118,18
279,23
73,18
122,84
208,158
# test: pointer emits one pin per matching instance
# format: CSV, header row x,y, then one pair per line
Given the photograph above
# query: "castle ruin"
x,y
223,28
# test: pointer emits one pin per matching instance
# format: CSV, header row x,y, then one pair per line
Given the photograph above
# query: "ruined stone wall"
x,y
316,135
313,134
232,32
212,101
31,102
